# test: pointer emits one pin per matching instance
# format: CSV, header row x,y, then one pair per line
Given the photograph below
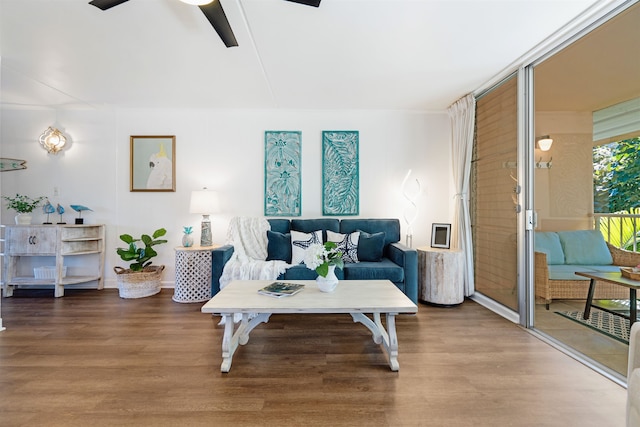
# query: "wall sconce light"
x,y
52,140
204,202
544,142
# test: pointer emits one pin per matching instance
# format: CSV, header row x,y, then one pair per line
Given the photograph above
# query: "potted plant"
x,y
24,205
141,279
324,259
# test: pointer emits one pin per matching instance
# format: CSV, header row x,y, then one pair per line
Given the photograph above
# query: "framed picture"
x,y
440,235
340,173
153,163
282,174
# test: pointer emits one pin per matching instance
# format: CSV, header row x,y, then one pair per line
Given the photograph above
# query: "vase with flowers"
x,y
24,205
324,259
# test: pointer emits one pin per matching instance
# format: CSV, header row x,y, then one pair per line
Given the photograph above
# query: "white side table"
x,y
193,274
440,276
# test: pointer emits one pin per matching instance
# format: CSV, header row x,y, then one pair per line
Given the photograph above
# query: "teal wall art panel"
x,y
282,174
340,174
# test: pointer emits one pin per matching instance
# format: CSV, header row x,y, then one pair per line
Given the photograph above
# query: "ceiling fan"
x,y
212,9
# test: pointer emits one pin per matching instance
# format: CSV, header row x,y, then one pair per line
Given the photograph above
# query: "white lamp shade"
x,y
544,143
204,202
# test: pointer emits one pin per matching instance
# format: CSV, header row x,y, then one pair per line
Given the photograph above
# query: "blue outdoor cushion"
x,y
278,246
585,247
567,272
370,246
549,243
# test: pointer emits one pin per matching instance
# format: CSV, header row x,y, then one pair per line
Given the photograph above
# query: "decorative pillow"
x,y
346,243
548,242
371,246
300,242
278,246
585,247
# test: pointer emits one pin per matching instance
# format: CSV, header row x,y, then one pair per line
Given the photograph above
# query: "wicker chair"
x,y
547,290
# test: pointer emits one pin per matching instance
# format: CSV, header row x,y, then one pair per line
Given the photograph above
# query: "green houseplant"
x,y
24,205
141,279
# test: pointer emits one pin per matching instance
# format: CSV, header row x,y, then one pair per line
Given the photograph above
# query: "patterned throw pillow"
x,y
300,242
347,244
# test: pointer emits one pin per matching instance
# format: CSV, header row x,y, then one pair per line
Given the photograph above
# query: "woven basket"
x,y
139,284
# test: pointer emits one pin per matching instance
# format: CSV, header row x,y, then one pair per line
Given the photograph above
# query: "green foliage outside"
x,y
616,179
616,189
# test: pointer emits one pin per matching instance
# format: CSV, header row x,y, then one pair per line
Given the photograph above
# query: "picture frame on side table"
x,y
440,235
153,163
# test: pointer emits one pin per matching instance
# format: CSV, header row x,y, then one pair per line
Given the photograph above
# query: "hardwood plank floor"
x,y
94,359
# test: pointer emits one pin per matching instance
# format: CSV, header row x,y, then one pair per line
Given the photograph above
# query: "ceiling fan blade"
x,y
106,4
216,16
314,3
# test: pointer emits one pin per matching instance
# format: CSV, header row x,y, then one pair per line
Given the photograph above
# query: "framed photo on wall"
x,y
153,163
440,235
340,173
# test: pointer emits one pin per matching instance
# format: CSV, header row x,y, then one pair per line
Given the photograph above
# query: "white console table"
x,y
440,276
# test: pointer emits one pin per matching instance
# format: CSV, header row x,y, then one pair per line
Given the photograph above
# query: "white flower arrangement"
x,y
319,257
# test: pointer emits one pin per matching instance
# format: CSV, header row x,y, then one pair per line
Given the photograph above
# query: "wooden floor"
x,y
93,359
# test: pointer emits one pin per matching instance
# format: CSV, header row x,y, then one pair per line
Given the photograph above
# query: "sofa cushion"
x,y
603,268
584,247
278,246
548,242
566,272
345,243
280,225
301,272
384,269
310,225
390,227
370,246
300,242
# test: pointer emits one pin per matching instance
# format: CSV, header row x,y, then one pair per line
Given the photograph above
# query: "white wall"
x,y
222,150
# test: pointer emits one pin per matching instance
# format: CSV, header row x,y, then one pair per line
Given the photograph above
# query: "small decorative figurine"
x,y
48,209
60,210
187,239
79,209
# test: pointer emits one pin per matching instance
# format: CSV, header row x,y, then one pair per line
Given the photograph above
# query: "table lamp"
x,y
204,202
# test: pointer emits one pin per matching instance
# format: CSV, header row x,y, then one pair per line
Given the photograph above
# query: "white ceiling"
x,y
346,54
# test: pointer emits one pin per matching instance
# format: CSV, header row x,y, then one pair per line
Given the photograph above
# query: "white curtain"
x,y
463,116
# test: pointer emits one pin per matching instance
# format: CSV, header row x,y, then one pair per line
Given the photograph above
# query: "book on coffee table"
x,y
281,289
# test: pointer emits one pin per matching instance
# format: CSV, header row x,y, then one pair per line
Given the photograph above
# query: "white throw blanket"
x,y
249,239
248,262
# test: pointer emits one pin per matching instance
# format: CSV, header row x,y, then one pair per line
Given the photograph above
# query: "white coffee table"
x,y
355,297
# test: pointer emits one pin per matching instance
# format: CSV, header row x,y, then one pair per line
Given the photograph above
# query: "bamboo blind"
x,y
494,217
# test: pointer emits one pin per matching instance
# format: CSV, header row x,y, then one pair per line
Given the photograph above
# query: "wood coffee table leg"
x,y
387,338
231,339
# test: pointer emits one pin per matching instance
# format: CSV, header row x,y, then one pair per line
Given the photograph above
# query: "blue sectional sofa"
x,y
384,257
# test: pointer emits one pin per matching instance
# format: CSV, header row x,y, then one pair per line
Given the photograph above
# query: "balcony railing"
x,y
621,230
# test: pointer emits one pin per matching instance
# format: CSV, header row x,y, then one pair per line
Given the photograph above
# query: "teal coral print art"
x,y
282,177
340,175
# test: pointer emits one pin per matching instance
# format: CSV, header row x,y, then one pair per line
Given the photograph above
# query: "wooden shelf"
x,y
56,241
